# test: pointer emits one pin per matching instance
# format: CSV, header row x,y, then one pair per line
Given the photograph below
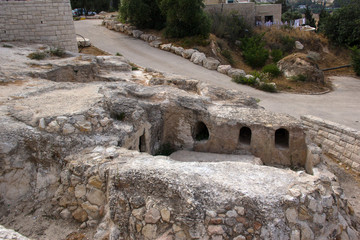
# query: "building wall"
x,y
268,10
337,141
38,21
248,10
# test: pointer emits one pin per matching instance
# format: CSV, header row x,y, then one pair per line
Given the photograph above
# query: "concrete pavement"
x,y
340,106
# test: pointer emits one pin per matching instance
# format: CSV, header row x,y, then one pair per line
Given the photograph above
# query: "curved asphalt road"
x,y
341,106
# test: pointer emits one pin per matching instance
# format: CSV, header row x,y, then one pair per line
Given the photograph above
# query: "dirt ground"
x,y
92,50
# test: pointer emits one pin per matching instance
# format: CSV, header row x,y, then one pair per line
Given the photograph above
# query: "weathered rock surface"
x,y
79,146
198,58
211,63
233,72
299,64
10,234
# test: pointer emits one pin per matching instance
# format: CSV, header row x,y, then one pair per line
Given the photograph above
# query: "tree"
x,y
142,13
185,18
93,5
290,16
343,26
322,19
309,20
284,6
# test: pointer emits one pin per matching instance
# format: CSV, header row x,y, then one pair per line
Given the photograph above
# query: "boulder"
x,y
298,45
83,42
211,63
165,47
299,64
223,69
137,33
155,43
144,37
233,72
198,58
187,53
177,50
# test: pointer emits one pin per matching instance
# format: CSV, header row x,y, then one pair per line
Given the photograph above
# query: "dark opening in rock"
x,y
142,143
201,132
282,138
245,136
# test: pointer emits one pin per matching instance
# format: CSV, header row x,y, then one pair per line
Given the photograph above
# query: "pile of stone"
x,y
193,55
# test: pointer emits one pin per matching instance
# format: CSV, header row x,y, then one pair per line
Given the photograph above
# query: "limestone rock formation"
x,y
78,136
299,64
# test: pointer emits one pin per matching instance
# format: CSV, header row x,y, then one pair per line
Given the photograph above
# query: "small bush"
x,y
7,45
272,69
230,26
37,55
268,87
254,52
244,80
299,78
276,55
118,54
188,42
288,43
58,52
134,67
355,59
226,53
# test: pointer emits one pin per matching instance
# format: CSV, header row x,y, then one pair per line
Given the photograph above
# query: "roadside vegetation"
x,y
256,50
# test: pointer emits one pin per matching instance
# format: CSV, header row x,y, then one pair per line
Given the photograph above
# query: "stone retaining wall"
x,y
38,21
336,140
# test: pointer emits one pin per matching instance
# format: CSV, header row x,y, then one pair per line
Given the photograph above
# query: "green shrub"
x,y
272,69
287,43
58,52
253,51
142,13
244,80
229,26
276,55
355,59
118,54
226,53
188,42
185,18
37,55
342,27
299,78
268,87
7,45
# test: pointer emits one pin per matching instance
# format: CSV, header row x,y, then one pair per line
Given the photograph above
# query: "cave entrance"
x,y
142,143
245,136
282,138
201,132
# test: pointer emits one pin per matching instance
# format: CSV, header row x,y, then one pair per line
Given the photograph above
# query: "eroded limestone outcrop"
x,y
82,149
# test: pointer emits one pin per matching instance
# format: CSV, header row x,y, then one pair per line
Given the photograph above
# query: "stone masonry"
x,y
38,21
338,141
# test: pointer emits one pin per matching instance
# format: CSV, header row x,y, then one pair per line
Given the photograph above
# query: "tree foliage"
x,y
230,26
94,5
184,18
253,50
309,20
290,16
355,59
142,13
180,18
343,26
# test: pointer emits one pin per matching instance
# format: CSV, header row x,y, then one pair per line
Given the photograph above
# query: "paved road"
x,y
341,106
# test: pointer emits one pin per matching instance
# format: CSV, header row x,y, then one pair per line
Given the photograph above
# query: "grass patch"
x,y
58,52
7,45
118,54
299,78
37,55
226,53
258,80
134,67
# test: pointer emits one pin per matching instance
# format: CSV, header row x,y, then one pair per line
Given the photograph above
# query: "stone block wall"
x,y
38,21
336,140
